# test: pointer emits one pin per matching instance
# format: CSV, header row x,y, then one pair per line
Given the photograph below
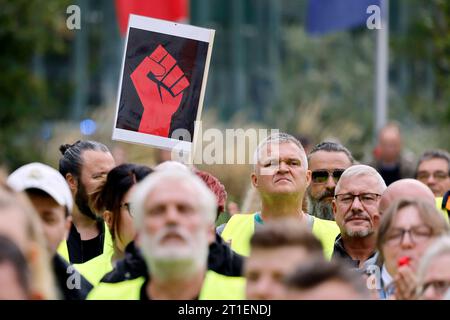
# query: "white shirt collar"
x,y
385,276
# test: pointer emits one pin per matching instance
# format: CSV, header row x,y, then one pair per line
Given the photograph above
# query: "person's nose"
x,y
407,242
357,205
430,179
171,215
283,167
331,184
263,288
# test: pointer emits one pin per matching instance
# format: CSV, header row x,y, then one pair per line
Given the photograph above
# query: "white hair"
x,y
361,170
438,248
206,199
171,165
279,138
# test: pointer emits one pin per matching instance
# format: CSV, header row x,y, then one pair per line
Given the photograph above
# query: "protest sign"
x,y
162,83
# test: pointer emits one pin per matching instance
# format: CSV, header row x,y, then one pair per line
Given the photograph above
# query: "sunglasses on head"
x,y
321,176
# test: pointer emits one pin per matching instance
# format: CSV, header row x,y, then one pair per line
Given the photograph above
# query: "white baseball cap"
x,y
40,176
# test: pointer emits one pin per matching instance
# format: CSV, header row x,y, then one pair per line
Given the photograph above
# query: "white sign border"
x,y
174,29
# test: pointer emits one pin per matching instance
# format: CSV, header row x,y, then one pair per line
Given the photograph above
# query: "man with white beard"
x,y
355,207
174,214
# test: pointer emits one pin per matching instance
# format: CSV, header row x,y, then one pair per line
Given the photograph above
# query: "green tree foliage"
x,y
420,71
328,82
321,87
30,31
427,47
327,94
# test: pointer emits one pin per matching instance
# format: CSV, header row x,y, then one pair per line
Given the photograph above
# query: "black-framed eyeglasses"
x,y
321,176
417,235
126,205
367,199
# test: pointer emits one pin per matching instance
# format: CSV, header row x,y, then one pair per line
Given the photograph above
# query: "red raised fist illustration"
x,y
161,94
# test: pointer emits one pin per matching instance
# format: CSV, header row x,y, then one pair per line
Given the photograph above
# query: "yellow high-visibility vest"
x,y
439,207
94,269
240,228
215,287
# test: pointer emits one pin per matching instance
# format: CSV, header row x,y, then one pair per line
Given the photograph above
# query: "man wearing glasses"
x,y
433,169
327,161
355,208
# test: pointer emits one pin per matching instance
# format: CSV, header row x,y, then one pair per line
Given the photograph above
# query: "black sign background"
x,y
191,58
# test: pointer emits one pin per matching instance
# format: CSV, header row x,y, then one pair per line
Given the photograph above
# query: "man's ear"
x,y
72,182
254,180
308,177
107,217
333,205
67,226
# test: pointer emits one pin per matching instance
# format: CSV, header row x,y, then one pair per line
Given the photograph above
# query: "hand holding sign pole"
x,y
159,83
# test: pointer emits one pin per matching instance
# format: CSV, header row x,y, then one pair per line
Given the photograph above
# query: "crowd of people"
x,y
327,227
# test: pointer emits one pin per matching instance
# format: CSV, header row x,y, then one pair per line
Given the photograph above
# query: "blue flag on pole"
x,y
324,16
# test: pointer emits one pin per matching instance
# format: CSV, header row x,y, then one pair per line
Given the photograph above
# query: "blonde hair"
x,y
427,212
439,248
42,278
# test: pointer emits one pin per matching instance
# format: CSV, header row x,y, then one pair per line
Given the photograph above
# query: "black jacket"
x,y
67,280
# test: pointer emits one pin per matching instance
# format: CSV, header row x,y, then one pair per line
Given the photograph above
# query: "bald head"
x,y
405,188
171,165
389,143
390,130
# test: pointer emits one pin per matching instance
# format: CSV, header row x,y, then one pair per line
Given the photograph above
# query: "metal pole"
x,y
382,66
237,76
80,65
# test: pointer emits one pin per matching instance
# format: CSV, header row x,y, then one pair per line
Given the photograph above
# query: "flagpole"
x,y
382,65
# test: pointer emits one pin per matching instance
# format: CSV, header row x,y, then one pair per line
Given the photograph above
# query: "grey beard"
x,y
168,267
322,210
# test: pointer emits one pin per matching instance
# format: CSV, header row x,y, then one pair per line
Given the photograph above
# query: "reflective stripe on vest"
x,y
94,269
215,287
240,228
439,207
